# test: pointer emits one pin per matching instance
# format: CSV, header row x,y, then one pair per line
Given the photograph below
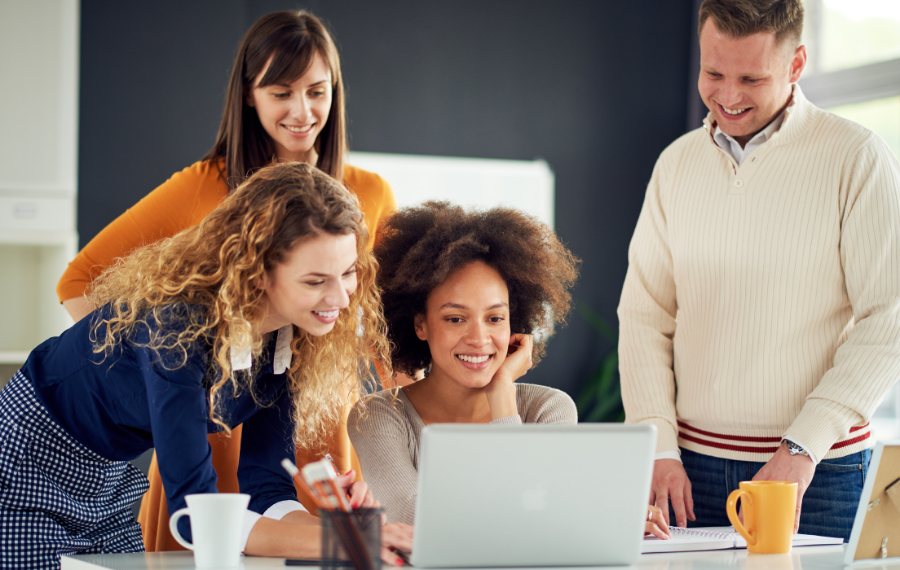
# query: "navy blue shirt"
x,y
126,403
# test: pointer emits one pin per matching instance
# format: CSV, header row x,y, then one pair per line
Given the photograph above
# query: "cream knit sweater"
x,y
764,300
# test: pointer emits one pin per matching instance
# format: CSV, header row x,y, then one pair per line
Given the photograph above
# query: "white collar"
x,y
722,139
241,359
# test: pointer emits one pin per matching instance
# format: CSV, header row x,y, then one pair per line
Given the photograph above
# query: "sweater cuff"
x,y
666,434
820,424
250,519
512,420
282,508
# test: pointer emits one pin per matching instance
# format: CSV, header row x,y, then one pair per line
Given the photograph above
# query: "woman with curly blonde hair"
x,y
252,317
284,102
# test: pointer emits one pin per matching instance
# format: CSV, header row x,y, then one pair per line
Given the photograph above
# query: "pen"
x,y
317,479
336,470
401,555
321,476
333,464
295,475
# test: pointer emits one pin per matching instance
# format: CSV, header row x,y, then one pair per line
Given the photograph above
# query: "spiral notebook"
x,y
717,538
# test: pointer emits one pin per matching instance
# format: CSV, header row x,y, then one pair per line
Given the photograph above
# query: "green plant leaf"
x,y
597,322
600,399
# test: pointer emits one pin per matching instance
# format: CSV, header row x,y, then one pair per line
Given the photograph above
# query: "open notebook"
x,y
717,538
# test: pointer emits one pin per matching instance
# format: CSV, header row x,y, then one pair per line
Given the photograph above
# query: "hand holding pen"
x,y
340,492
396,537
358,492
346,493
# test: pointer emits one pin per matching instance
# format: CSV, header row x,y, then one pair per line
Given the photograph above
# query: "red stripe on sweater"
x,y
856,439
750,439
749,449
729,437
728,446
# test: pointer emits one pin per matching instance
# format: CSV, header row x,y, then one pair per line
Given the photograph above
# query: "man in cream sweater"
x,y
760,316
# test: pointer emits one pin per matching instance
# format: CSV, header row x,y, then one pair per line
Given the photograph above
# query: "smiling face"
x,y
466,325
746,82
294,114
312,285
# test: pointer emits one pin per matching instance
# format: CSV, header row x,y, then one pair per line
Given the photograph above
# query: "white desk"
x,y
802,558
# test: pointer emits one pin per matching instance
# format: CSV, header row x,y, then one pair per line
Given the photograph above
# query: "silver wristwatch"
x,y
794,449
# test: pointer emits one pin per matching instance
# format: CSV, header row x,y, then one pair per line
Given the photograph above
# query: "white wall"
x,y
471,182
38,167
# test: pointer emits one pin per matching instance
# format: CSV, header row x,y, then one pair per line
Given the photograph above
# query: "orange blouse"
x,y
179,203
183,201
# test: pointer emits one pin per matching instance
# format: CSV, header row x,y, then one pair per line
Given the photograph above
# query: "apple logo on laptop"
x,y
535,499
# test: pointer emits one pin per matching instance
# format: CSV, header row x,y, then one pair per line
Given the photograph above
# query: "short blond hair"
x,y
741,18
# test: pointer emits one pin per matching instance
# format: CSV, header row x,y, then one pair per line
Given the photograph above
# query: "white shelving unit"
x,y
39,42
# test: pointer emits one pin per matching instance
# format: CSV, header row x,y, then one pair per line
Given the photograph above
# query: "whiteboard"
x,y
526,185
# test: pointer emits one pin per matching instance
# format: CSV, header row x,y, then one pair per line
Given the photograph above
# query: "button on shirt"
x,y
733,148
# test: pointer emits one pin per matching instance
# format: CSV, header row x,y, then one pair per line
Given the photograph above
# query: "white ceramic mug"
x,y
216,520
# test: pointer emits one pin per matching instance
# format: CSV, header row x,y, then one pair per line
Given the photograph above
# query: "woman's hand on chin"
x,y
518,358
501,392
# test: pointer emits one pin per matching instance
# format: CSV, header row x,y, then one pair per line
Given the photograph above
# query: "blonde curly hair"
x,y
200,286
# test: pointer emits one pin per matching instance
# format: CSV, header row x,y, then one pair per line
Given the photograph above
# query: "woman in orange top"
x,y
285,102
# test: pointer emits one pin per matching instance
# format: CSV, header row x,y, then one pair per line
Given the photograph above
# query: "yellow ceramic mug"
x,y
768,514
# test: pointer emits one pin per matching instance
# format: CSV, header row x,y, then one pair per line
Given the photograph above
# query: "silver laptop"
x,y
532,495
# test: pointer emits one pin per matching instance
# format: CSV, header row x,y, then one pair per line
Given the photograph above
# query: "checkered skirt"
x,y
58,497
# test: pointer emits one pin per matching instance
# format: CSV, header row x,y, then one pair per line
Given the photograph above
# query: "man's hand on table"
x,y
670,482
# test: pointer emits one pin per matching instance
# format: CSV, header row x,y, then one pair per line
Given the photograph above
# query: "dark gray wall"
x,y
597,88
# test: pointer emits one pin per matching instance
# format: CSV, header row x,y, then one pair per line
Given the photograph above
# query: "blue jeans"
x,y
829,504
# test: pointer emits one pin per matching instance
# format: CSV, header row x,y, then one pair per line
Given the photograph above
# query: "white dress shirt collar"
x,y
733,148
242,360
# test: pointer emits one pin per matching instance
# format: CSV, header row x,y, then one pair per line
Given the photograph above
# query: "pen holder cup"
x,y
351,540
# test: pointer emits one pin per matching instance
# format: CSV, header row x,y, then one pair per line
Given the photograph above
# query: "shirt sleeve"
x,y
388,201
867,363
647,312
545,405
376,197
178,412
266,440
812,454
388,207
382,441
513,420
162,213
668,455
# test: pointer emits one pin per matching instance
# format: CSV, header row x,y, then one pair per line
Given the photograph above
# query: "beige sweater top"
x,y
387,440
763,300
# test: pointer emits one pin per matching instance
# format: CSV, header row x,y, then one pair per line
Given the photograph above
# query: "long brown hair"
x,y
200,288
291,40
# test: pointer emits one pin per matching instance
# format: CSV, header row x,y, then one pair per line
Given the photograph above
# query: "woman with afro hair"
x,y
463,292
